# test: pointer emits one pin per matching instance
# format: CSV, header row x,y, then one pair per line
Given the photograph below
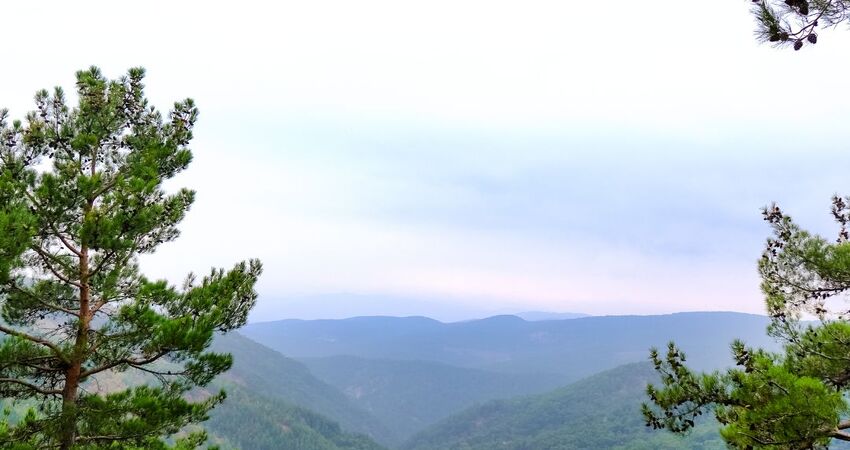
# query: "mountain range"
x,y
414,383
573,348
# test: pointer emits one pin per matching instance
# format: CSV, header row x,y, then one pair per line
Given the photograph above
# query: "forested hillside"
x,y
600,412
267,373
261,411
407,396
251,420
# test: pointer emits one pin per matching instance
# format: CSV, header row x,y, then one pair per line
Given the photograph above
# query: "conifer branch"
x,y
44,342
31,386
43,302
128,361
47,259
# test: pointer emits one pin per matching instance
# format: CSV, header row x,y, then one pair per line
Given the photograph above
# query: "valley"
x,y
501,382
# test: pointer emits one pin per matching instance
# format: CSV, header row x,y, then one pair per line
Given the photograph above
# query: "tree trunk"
x,y
69,405
72,375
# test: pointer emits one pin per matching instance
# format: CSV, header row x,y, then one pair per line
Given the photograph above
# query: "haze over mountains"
x,y
344,305
500,382
572,348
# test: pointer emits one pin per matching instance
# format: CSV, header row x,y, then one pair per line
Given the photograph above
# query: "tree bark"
x,y
72,375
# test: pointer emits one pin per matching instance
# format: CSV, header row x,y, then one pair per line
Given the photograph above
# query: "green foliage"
x,y
252,420
790,400
795,23
270,404
81,198
595,413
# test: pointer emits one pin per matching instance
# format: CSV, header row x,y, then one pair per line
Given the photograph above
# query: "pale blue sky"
x,y
488,155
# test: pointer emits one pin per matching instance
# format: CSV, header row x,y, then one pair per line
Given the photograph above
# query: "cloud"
x,y
490,153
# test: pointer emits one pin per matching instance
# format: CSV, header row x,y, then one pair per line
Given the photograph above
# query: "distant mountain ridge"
x,y
574,348
533,316
346,305
418,380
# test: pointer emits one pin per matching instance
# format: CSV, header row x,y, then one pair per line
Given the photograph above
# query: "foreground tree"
x,y
81,198
794,399
797,22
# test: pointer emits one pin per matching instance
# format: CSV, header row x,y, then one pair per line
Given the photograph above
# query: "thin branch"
x,y
62,238
44,303
37,340
46,257
840,435
102,263
128,361
31,386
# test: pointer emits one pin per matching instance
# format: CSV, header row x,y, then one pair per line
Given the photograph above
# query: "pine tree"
x,y
794,399
795,23
81,198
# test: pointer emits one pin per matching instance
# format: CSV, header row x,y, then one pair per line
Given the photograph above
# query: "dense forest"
x,y
251,420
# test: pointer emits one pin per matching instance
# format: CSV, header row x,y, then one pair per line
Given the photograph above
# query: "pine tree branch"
x,y
55,348
45,303
840,435
159,373
109,254
104,300
64,240
39,367
46,258
31,386
128,361
107,186
73,249
112,438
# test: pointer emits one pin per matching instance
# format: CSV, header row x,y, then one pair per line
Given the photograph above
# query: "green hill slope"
x,y
248,420
275,402
408,396
600,412
265,373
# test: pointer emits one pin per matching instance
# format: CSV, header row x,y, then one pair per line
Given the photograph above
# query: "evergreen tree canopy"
x,y
81,198
796,399
796,22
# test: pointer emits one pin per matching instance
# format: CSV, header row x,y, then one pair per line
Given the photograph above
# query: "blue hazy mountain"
x,y
573,348
342,306
532,316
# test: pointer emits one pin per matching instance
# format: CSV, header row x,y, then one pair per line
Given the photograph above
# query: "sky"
x,y
460,158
